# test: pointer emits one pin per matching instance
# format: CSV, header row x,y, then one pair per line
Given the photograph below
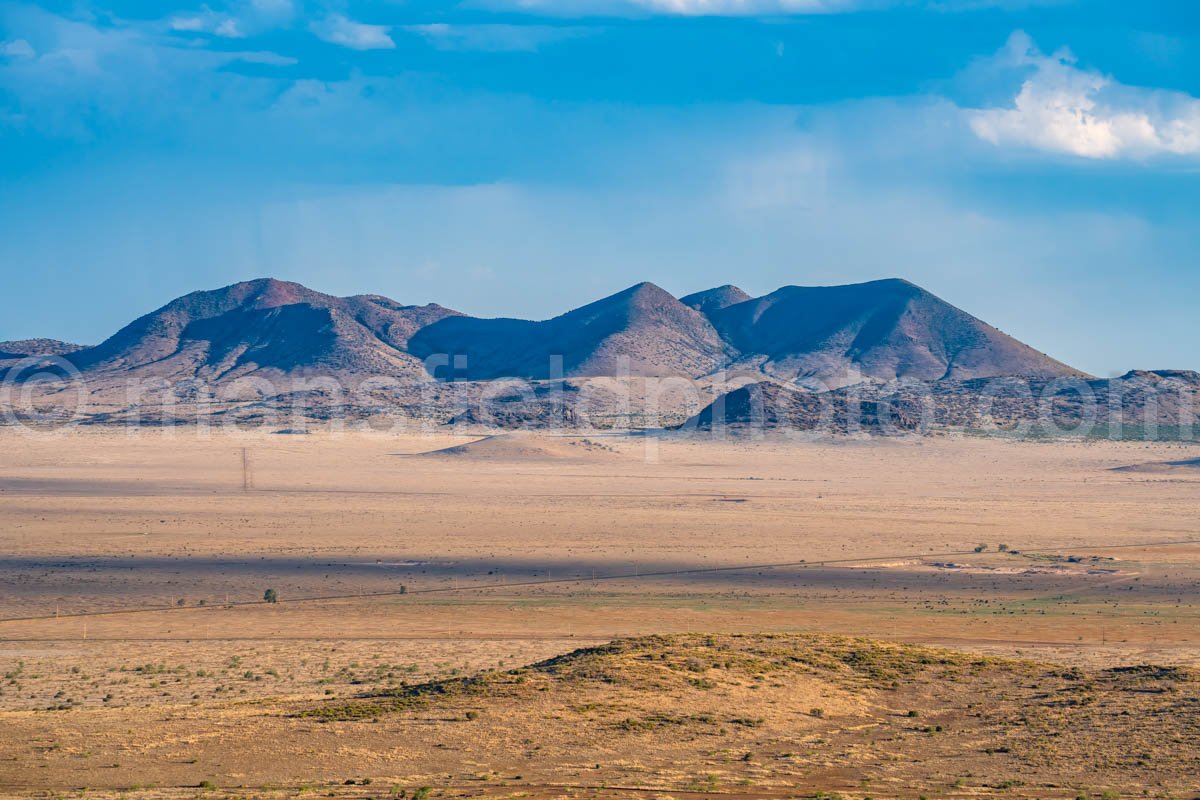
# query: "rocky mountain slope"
x,y
642,330
832,336
265,325
881,330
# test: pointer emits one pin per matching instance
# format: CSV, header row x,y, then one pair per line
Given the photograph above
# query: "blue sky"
x,y
1037,163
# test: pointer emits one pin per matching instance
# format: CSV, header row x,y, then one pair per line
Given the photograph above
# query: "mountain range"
x,y
877,331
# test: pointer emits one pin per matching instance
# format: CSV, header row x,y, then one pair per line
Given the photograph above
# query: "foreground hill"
x,y
823,713
747,716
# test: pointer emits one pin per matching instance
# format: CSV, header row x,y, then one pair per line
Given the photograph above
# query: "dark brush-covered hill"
x,y
27,348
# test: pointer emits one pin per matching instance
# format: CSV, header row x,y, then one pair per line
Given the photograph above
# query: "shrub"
x,y
270,596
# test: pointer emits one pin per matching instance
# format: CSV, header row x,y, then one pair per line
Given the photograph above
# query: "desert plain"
x,y
596,615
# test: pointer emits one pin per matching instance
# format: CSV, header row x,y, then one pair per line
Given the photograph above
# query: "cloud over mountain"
x,y
1062,108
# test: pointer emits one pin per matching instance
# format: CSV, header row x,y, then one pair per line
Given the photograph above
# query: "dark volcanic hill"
x,y
640,331
883,329
767,405
265,325
24,348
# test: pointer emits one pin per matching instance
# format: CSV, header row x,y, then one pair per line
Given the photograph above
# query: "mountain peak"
x,y
715,299
641,330
883,330
644,290
267,293
265,324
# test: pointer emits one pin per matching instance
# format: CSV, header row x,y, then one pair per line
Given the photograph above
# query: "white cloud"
x,y
17,48
741,7
243,18
1061,108
736,8
494,38
691,8
342,30
207,22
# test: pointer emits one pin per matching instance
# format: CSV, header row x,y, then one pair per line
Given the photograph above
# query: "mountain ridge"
x,y
826,336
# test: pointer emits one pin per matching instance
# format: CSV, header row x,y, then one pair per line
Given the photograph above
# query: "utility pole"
x,y
247,478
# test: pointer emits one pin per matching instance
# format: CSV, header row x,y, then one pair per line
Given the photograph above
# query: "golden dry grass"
x,y
520,553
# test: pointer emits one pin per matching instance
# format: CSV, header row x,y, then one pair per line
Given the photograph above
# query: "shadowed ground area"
x,y
137,649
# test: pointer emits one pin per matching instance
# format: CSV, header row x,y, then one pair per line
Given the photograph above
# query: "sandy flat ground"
x,y
133,564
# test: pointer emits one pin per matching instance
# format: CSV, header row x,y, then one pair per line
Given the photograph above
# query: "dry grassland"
x,y
139,658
